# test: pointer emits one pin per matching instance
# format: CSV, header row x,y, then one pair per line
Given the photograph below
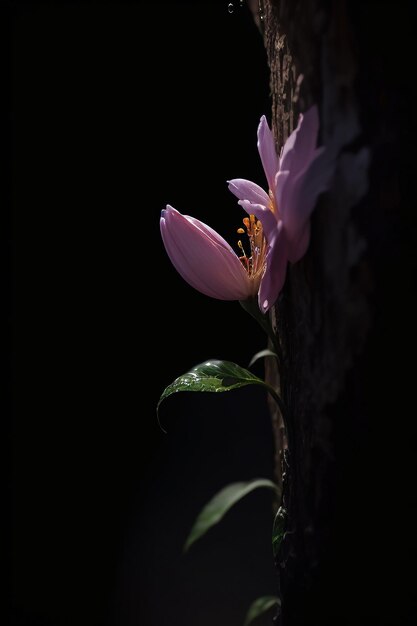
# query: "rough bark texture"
x,y
326,317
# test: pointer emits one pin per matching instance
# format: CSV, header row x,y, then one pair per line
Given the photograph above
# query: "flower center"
x,y
254,263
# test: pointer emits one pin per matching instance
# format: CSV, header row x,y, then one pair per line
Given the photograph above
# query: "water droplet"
x,y
261,10
265,304
230,7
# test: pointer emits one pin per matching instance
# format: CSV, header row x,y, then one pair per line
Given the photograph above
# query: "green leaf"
x,y
278,529
260,606
217,508
215,376
261,355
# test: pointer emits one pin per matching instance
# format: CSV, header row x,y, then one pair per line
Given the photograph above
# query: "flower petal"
x,y
275,272
298,247
263,213
210,233
299,195
280,182
287,151
267,151
206,262
218,240
300,145
247,190
181,265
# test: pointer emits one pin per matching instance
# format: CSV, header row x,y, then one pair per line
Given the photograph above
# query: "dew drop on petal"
x,y
265,304
230,7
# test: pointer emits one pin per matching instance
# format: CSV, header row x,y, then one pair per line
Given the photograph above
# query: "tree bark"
x,y
332,318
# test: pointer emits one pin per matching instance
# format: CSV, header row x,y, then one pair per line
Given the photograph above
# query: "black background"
x,y
117,109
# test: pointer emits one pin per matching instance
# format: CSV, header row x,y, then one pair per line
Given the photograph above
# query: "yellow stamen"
x,y
254,264
272,203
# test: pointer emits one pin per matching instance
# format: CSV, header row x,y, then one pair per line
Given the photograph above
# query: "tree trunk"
x,y
340,330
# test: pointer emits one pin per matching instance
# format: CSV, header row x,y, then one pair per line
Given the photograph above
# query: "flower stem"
x,y
251,306
279,402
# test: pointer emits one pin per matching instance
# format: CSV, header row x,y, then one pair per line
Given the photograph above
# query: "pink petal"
x,y
267,151
298,247
231,266
210,233
280,182
205,261
275,272
180,263
287,151
246,190
300,145
263,213
300,193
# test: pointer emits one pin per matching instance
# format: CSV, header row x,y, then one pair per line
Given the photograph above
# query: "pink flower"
x,y
207,262
295,180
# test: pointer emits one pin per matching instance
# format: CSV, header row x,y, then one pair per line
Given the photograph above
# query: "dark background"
x,y
117,109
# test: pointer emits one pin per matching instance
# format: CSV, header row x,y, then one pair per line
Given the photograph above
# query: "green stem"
x,y
251,307
279,402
